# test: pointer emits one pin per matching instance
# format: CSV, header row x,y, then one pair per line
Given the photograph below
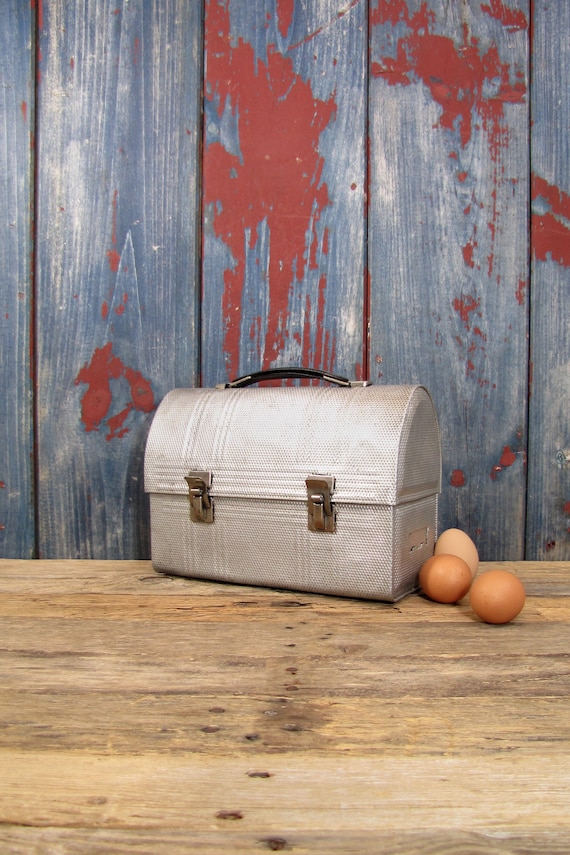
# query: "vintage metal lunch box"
x,y
318,488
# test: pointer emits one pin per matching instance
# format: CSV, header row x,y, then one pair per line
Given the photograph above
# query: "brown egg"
x,y
453,541
497,596
445,578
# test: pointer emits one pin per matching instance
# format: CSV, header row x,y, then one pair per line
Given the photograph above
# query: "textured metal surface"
x,y
381,445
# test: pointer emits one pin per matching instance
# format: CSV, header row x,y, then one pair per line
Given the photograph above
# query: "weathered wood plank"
x,y
17,46
118,121
448,243
548,534
301,794
115,841
284,186
254,722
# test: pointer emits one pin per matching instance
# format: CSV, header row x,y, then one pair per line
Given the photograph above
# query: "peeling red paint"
x,y
116,422
520,292
105,310
566,508
119,310
97,400
113,256
2,485
465,306
470,85
285,9
550,230
276,176
322,355
468,253
508,457
307,325
114,259
460,79
38,6
513,19
24,110
457,478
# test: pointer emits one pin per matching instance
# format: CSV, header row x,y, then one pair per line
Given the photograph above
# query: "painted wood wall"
x,y
196,190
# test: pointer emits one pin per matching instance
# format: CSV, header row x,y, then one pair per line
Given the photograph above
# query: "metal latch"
x,y
201,505
321,513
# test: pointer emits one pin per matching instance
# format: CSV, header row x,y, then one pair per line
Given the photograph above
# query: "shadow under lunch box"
x,y
319,488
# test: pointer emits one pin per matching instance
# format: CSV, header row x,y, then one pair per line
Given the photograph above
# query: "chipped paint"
x,y
465,306
463,80
508,457
268,182
550,222
96,402
113,256
285,9
472,85
468,252
38,6
520,293
457,478
512,19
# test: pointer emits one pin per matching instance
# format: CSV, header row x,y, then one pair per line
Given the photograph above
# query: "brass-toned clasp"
x,y
201,505
321,513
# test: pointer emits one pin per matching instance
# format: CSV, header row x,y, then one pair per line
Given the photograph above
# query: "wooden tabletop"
x,y
166,715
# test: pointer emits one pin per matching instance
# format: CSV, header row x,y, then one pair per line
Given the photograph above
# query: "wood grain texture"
x,y
284,186
548,533
119,100
16,164
163,713
448,243
316,116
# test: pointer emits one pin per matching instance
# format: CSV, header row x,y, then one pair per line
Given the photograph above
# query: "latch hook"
x,y
201,505
320,510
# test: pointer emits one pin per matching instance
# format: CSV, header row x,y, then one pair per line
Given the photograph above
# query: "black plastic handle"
x,y
286,374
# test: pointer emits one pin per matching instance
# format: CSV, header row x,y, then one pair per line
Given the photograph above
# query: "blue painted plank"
x,y
284,186
119,101
448,242
17,538
548,535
